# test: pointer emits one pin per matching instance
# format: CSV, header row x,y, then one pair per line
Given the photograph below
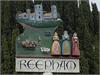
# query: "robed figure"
x,y
66,44
55,50
75,45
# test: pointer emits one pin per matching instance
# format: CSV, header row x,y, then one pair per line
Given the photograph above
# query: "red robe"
x,y
75,47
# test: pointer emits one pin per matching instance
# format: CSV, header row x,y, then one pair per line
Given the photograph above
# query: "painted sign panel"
x,y
39,48
47,65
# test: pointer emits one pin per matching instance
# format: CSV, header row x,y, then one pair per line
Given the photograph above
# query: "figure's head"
x,y
55,34
75,34
66,34
55,37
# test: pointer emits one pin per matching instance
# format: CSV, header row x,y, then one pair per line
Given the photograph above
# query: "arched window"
x,y
25,15
39,17
39,6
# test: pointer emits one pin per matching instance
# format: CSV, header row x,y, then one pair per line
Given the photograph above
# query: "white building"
x,y
38,14
47,16
32,16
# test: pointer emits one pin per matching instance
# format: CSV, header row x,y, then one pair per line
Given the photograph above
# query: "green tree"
x,y
87,38
5,57
15,33
95,14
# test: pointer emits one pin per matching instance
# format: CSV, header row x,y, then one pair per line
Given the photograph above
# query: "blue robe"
x,y
66,46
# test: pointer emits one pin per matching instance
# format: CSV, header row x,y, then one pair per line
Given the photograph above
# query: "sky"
x,y
97,3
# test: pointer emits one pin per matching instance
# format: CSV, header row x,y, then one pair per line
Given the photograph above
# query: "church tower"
x,y
54,11
39,12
